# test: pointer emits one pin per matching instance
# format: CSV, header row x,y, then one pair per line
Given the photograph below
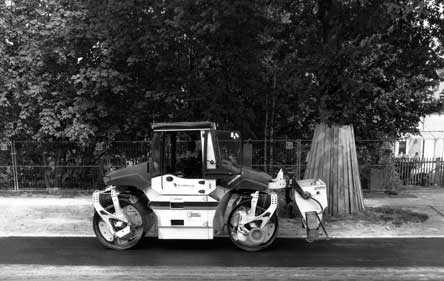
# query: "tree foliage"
x,y
104,70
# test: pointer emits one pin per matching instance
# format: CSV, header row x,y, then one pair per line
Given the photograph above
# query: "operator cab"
x,y
194,150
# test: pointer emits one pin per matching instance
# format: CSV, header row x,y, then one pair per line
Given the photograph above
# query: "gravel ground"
x,y
56,215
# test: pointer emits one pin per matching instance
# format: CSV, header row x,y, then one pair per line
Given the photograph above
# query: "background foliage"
x,y
104,70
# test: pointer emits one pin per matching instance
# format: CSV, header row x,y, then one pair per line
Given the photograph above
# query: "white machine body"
x,y
182,206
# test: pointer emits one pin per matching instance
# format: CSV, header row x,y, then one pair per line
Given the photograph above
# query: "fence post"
x,y
14,166
298,158
439,172
247,154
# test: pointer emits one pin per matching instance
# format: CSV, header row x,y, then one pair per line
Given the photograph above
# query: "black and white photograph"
x,y
221,140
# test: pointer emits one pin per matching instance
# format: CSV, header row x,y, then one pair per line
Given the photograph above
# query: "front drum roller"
x,y
137,214
251,237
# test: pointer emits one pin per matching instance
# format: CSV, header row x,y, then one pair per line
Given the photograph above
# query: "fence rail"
x,y
26,165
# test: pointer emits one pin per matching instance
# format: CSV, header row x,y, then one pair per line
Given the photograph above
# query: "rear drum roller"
x,y
136,213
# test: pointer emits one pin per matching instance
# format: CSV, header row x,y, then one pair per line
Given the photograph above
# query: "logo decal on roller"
x,y
194,215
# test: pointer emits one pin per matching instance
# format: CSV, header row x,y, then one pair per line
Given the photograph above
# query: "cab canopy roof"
x,y
184,126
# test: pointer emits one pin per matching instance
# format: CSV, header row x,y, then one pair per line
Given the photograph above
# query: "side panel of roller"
x,y
318,201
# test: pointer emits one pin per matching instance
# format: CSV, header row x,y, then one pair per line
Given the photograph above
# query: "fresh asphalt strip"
x,y
79,251
54,235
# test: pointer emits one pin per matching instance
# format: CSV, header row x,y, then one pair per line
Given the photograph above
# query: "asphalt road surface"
x,y
73,258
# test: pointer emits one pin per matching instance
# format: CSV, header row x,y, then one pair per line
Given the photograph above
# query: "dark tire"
x,y
247,245
138,214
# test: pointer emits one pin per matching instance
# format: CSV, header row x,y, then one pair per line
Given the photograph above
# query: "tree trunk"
x,y
266,132
273,110
333,159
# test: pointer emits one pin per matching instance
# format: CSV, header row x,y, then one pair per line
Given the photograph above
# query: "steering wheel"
x,y
227,164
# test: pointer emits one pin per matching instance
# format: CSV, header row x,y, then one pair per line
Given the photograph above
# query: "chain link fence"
x,y
30,165
27,165
379,170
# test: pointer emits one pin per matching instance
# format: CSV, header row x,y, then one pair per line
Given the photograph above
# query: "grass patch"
x,y
395,216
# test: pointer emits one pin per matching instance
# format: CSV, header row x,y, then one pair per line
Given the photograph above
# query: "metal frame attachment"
x,y
265,216
106,216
